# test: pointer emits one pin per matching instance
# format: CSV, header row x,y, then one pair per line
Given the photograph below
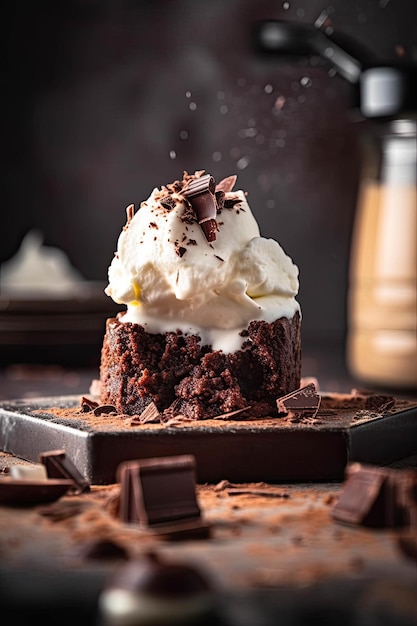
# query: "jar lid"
x,y
381,89
387,90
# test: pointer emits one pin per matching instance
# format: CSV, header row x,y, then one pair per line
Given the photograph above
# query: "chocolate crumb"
x,y
230,202
219,257
168,203
102,549
181,251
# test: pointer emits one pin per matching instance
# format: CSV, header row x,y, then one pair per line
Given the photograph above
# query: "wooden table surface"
x,y
273,558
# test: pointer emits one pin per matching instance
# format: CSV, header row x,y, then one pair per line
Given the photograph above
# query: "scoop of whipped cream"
x,y
171,277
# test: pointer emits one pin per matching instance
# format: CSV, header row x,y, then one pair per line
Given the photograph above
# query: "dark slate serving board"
x,y
267,449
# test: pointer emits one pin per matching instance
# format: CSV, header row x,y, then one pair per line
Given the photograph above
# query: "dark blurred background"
x,y
107,99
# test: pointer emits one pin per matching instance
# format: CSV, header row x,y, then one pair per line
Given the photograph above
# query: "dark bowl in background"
x,y
42,329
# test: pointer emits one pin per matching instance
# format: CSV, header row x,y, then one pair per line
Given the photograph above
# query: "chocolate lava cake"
x,y
212,324
183,377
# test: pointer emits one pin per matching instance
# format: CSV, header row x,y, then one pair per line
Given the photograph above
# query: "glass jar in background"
x,y
382,298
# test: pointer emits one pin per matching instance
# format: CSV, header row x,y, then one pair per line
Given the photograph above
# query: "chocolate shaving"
x,y
168,203
88,405
149,415
220,197
130,212
58,465
104,409
227,184
263,493
200,185
230,414
176,420
200,194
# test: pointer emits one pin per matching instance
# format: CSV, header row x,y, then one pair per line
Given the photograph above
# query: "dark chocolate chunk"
x,y
58,465
30,493
209,228
158,490
229,203
377,497
305,401
181,251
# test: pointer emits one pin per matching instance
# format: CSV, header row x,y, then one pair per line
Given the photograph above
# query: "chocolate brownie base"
x,y
181,376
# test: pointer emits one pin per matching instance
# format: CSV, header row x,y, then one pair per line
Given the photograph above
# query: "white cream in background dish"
x,y
170,277
43,271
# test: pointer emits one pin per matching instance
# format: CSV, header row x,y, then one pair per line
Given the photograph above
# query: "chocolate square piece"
x,y
158,491
303,402
375,497
59,466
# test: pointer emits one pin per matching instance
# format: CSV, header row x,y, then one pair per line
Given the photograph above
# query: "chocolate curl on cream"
x,y
226,184
200,194
130,212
